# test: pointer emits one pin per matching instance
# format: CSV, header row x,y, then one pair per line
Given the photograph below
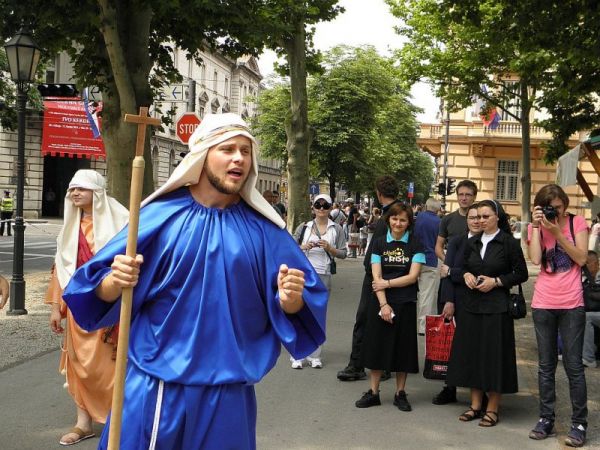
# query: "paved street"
x,y
311,409
40,247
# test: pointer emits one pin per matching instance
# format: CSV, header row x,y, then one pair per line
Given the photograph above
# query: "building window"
x,y
226,90
155,165
513,102
215,79
507,180
172,162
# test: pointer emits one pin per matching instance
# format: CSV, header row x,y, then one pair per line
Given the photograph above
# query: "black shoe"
x,y
386,375
351,373
401,401
368,399
446,395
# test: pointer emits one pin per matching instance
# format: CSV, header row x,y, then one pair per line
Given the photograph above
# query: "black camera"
x,y
549,213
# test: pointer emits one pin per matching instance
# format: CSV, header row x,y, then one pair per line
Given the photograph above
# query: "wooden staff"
x,y
135,197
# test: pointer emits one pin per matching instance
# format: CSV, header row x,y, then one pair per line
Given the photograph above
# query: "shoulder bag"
x,y
591,292
517,308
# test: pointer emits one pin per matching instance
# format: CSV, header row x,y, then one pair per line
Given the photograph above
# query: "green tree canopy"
x,y
362,122
125,48
470,48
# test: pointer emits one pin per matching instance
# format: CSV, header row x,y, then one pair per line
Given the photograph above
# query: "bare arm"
x,y
386,310
439,248
534,248
4,291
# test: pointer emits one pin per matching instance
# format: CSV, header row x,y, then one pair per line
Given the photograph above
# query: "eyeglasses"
x,y
323,205
485,216
465,194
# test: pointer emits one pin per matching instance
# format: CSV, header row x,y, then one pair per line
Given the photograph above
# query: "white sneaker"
x,y
587,363
296,364
315,363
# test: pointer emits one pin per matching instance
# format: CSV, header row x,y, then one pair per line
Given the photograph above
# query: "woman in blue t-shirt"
x,y
390,341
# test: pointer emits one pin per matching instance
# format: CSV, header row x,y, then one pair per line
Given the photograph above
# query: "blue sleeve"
x,y
303,332
375,259
419,258
89,311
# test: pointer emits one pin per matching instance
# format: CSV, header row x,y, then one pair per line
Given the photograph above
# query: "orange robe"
x,y
86,359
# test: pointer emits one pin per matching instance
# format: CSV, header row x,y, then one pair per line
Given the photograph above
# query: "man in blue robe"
x,y
219,285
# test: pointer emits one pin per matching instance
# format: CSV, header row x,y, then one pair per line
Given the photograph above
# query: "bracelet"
x,y
389,285
381,306
534,226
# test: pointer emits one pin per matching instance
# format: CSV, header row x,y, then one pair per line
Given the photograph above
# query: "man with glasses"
x,y
453,225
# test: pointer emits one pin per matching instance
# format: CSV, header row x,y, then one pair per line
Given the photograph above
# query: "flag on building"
x,y
91,111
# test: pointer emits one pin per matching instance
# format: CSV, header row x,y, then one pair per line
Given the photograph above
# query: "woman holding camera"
x,y
483,354
558,242
322,240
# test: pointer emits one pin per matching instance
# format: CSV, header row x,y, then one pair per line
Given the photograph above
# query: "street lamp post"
x,y
23,57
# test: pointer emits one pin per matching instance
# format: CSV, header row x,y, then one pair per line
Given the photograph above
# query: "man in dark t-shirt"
x,y
453,225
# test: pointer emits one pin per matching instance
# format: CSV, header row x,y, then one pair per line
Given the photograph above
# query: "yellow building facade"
x,y
493,160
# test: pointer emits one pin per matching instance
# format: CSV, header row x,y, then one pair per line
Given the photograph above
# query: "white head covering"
x,y
108,216
214,129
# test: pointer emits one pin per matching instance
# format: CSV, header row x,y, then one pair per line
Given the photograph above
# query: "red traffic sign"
x,y
186,124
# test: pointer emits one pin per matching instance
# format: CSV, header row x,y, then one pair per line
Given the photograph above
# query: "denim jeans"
x,y
571,324
589,347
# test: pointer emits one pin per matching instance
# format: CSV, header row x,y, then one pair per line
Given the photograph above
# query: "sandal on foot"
x,y
80,436
470,414
487,420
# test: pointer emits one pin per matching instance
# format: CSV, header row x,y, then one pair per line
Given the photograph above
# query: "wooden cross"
x,y
135,197
143,121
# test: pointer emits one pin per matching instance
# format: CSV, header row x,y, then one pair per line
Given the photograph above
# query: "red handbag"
x,y
438,343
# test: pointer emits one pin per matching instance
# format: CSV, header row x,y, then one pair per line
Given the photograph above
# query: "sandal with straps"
x,y
488,421
470,414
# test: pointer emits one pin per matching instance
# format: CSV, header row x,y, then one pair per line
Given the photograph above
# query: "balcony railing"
x,y
477,129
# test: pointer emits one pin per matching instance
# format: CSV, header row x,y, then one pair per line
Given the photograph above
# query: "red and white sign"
x,y
186,124
67,131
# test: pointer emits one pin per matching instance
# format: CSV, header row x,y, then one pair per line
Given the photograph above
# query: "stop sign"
x,y
186,124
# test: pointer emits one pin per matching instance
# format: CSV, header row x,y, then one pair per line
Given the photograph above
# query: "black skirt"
x,y
483,353
391,346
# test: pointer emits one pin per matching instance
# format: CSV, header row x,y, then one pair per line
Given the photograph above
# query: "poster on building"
x,y
68,130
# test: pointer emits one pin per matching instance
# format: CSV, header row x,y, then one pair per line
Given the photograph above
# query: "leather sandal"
x,y
81,436
488,421
470,414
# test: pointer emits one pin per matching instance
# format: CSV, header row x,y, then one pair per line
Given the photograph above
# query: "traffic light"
x,y
441,189
58,90
450,186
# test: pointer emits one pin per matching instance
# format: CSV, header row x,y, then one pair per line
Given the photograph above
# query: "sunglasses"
x,y
320,205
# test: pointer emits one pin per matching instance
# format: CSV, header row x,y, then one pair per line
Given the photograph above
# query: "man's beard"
x,y
219,185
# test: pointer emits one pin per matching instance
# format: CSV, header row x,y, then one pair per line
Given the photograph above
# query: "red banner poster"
x,y
67,131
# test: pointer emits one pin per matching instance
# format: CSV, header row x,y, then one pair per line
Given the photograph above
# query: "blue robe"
x,y
206,320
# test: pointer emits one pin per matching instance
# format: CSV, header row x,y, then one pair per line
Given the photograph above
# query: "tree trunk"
x,y
526,158
332,181
129,88
297,130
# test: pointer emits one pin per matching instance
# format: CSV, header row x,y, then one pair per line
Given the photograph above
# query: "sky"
x,y
365,22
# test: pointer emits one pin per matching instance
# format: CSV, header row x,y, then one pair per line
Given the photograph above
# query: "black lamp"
x,y
23,56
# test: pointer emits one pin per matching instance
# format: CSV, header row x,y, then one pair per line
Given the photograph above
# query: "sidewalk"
x,y
298,409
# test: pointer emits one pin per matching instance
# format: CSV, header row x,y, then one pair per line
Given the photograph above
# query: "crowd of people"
x,y
472,256
208,239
